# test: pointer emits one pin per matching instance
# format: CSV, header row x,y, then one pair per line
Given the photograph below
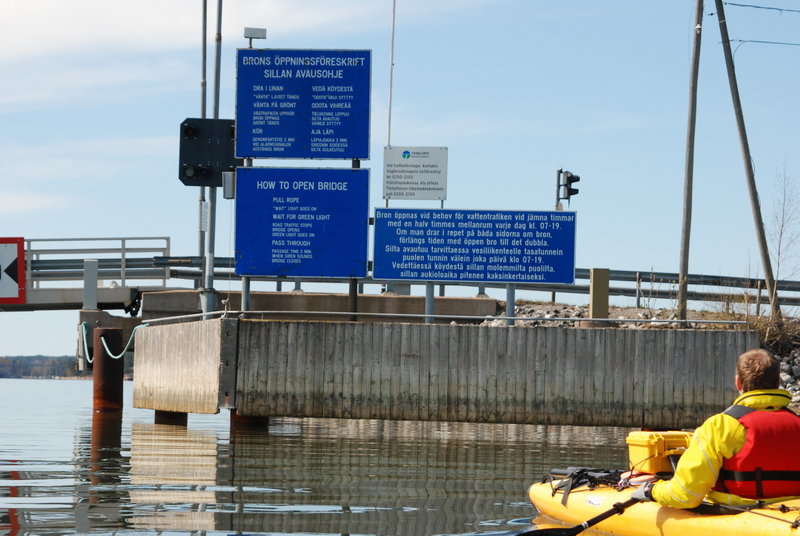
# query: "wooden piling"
x,y
107,371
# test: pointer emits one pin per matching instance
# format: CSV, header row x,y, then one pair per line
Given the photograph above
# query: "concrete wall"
x,y
187,368
592,376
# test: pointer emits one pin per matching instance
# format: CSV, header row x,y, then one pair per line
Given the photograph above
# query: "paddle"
x,y
618,508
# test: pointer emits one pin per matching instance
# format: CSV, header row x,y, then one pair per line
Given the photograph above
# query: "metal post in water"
x,y
107,371
245,422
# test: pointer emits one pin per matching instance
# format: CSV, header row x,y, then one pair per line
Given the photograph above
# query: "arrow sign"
x,y
12,270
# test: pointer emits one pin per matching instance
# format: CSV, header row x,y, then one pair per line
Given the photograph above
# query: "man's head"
x,y
757,369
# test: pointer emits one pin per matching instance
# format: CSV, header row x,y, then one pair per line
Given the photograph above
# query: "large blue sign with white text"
x,y
302,222
303,103
475,245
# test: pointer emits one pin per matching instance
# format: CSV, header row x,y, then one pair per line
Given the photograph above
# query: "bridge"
x,y
378,357
113,273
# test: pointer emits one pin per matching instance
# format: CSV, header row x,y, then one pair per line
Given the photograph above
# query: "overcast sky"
x,y
92,94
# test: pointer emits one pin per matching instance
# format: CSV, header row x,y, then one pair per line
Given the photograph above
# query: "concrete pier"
x,y
533,375
107,371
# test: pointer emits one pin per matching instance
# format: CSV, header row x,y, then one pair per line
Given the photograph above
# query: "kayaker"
x,y
748,452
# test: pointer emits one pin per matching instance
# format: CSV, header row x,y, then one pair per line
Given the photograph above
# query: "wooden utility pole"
x,y
683,272
748,165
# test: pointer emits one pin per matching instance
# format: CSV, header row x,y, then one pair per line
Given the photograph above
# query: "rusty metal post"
x,y
107,372
247,422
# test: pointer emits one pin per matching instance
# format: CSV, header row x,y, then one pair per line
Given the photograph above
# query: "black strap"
x,y
759,482
738,411
574,477
759,474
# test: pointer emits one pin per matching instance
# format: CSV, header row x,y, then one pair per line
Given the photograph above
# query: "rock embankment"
x,y
790,375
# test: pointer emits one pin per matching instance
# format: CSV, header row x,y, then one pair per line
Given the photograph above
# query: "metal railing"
x,y
119,258
641,285
148,258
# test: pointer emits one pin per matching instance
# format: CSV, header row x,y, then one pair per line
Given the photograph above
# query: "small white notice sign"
x,y
415,173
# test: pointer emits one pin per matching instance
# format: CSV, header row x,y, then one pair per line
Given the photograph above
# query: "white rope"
x,y
110,354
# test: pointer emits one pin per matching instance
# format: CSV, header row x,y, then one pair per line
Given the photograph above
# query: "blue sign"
x,y
475,245
302,222
303,103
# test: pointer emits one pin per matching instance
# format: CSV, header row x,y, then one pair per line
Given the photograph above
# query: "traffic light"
x,y
206,150
568,180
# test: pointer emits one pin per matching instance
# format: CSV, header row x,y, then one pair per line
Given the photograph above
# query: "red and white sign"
x,y
12,270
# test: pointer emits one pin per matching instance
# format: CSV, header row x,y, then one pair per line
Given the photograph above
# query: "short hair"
x,y
758,369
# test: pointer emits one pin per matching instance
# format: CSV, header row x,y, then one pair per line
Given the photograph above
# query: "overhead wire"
x,y
760,41
764,42
779,9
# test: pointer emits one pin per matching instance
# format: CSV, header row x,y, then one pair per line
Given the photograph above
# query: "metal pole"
x,y
391,76
558,187
511,303
429,288
391,84
217,58
201,232
248,162
558,207
208,300
683,271
353,287
245,293
638,290
353,295
748,165
204,61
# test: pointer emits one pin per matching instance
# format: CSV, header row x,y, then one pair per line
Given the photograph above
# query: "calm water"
x,y
62,473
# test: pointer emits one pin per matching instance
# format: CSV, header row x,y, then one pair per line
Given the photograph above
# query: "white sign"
x,y
12,270
415,173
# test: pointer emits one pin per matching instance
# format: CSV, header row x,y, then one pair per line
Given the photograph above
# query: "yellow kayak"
x,y
650,519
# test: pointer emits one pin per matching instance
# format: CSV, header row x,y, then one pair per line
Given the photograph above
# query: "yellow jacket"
x,y
720,437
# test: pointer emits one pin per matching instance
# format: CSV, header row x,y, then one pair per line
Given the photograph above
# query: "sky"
x,y
92,94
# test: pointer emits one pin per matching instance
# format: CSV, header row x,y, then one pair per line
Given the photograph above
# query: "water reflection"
x,y
328,476
66,473
174,472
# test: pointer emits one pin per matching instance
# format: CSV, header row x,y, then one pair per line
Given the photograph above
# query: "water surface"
x,y
65,470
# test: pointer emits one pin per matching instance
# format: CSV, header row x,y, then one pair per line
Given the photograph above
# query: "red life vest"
x,y
768,465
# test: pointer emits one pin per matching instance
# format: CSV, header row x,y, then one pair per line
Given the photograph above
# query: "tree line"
x,y
40,367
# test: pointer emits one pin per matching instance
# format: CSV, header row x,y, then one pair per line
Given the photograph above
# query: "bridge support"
x,y
176,418
107,371
247,422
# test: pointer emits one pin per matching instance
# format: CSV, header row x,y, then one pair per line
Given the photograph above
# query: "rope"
x,y
84,329
89,359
